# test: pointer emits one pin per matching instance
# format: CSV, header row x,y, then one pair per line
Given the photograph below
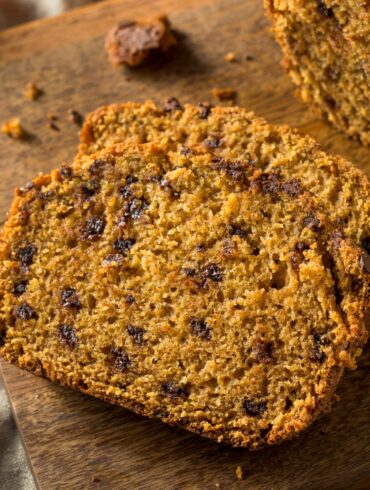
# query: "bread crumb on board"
x,y
230,57
240,473
133,42
32,91
13,128
225,93
75,117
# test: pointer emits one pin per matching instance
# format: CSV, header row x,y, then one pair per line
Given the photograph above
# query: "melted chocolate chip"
x,y
311,221
93,228
301,246
234,230
172,105
213,142
88,189
254,408
67,335
66,172
123,246
135,208
236,170
318,341
26,312
136,333
126,190
119,359
26,254
97,166
204,110
173,391
130,299
212,272
324,10
19,288
200,328
292,187
70,299
189,271
264,352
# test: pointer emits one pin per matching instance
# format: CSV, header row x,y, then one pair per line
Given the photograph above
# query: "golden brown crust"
x,y
267,340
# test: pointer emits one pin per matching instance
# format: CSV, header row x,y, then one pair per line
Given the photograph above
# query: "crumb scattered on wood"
x,y
239,473
95,478
224,93
249,57
32,91
133,42
52,117
230,57
75,117
13,128
52,125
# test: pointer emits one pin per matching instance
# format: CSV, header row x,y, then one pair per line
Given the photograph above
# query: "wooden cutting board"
x,y
76,442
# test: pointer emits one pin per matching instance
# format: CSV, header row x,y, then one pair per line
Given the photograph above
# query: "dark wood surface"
x,y
74,441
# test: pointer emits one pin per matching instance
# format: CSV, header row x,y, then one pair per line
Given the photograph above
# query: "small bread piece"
x,y
181,286
234,133
326,47
133,42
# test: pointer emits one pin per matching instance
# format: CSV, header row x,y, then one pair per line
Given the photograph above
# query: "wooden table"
x,y
76,442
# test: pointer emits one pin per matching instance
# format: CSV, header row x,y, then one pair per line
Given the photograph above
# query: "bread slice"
x,y
232,132
182,286
326,46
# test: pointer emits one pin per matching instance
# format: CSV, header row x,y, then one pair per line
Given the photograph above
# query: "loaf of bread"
x,y
185,286
326,46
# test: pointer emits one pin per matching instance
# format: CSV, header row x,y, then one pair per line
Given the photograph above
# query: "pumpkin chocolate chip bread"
x,y
326,46
234,133
183,286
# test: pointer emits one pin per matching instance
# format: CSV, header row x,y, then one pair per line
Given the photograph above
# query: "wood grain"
x,y
70,437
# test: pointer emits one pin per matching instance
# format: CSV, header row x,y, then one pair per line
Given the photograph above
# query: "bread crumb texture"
x,y
326,46
184,286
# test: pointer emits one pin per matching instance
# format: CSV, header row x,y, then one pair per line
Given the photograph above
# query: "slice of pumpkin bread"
x,y
233,132
326,47
182,286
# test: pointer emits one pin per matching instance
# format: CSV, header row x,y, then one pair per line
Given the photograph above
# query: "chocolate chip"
x,y
97,166
201,247
185,151
236,170
19,288
264,352
166,185
292,187
26,312
234,230
93,228
126,190
123,246
268,183
213,142
135,208
26,254
75,117
365,262
130,299
200,328
26,187
311,221
288,403
189,271
173,391
136,333
212,272
254,408
70,299
295,260
67,335
318,341
88,189
204,110
119,359
66,171
324,10
172,105
301,246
